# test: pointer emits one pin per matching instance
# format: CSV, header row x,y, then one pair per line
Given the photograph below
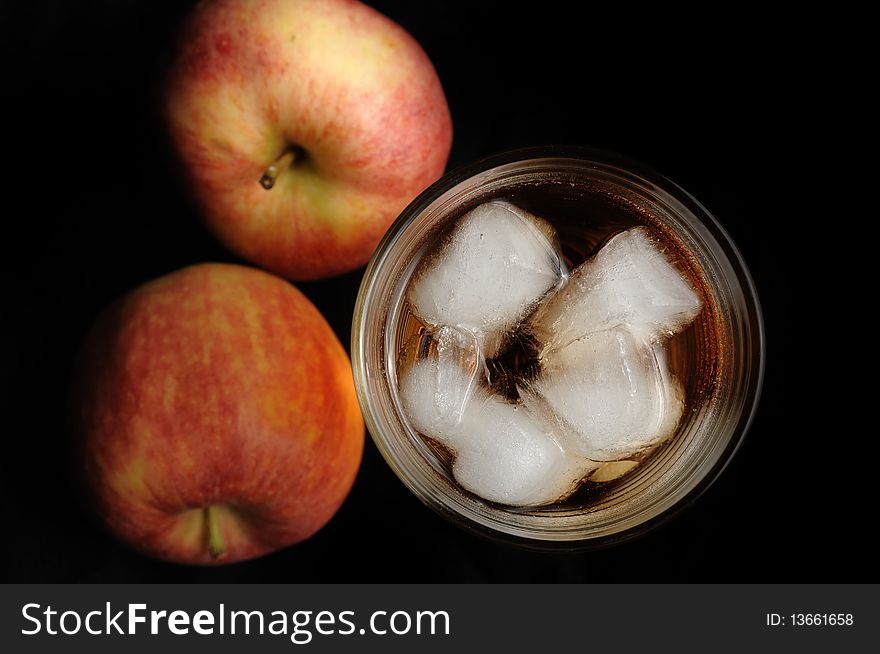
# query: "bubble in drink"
x,y
497,263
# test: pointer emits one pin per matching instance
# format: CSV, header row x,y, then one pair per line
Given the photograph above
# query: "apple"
x,y
303,128
216,416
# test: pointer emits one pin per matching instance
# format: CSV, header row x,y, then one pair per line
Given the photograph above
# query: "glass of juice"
x,y
557,346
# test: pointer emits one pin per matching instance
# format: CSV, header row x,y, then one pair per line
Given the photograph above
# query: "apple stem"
x,y
216,546
281,164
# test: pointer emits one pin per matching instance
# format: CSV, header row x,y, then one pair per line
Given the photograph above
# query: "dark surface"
x,y
92,210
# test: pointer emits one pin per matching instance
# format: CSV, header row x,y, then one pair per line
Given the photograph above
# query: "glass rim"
x,y
544,157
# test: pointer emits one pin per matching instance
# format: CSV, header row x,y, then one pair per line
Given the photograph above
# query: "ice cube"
x,y
435,389
498,262
629,282
609,394
507,458
500,452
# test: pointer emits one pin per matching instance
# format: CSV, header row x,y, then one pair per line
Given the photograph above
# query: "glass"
x,y
723,389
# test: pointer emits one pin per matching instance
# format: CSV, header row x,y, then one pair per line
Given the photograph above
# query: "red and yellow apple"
x,y
216,416
303,128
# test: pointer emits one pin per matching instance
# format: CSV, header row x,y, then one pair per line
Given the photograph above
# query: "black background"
x,y
91,210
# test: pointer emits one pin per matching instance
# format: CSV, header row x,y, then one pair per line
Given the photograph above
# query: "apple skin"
x,y
345,88
216,386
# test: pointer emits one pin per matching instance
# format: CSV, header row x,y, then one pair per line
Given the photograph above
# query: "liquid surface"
x,y
585,219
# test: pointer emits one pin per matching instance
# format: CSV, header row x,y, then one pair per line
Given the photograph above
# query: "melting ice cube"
x,y
435,390
608,394
496,265
500,452
506,457
603,393
628,282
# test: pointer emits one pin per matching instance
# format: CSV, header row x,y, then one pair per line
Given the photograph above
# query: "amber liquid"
x,y
585,217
